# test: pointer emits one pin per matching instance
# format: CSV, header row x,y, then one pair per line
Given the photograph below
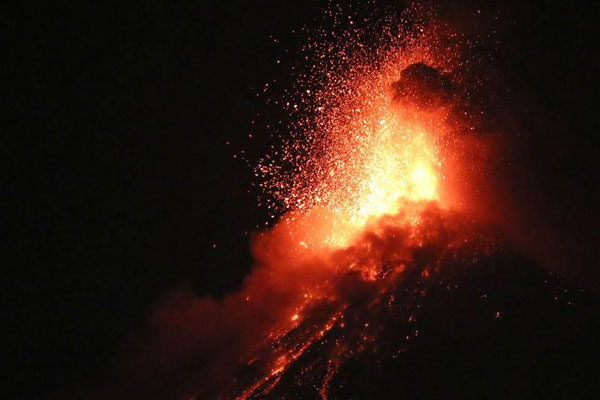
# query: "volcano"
x,y
457,334
382,276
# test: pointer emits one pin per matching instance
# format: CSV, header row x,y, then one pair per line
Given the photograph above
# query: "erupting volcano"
x,y
367,224
379,246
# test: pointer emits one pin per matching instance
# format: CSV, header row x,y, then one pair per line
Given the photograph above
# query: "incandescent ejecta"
x,y
380,224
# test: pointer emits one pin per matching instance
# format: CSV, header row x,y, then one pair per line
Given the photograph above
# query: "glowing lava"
x,y
402,165
399,162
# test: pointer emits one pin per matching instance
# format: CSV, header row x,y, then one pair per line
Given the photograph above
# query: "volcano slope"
x,y
443,310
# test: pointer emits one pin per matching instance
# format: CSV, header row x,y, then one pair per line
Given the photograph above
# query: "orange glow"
x,y
369,172
363,191
402,165
378,159
375,166
364,154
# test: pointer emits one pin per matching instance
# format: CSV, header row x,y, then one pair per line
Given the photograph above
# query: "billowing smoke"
x,y
424,86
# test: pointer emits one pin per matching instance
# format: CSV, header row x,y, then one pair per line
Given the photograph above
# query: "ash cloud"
x,y
470,107
423,86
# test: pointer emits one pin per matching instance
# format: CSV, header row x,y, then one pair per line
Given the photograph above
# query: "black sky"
x,y
119,182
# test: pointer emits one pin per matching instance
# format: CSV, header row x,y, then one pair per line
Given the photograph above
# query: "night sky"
x,y
119,184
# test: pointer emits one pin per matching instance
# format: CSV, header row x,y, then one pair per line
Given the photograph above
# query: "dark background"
x,y
119,183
